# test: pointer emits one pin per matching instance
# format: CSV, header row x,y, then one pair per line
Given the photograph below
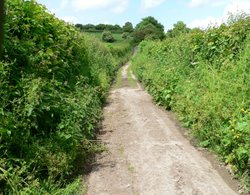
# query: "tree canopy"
x,y
179,28
107,37
148,28
99,28
128,27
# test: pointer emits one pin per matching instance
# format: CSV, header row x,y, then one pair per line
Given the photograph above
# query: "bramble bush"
x,y
204,76
53,82
107,37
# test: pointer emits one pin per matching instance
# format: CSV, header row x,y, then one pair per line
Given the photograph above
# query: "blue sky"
x,y
195,13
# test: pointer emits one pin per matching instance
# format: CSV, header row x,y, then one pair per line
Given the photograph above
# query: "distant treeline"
x,y
148,29
100,28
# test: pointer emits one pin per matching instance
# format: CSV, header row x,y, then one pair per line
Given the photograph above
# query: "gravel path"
x,y
148,155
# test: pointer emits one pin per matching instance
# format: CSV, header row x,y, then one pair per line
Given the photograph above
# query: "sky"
x,y
195,13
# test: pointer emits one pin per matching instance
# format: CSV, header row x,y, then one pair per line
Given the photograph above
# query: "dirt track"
x,y
148,155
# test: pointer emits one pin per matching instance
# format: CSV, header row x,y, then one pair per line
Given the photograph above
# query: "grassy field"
x,y
118,38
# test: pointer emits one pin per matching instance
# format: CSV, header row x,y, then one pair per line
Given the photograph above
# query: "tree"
x,y
117,28
148,28
196,30
99,27
107,37
178,29
125,35
128,27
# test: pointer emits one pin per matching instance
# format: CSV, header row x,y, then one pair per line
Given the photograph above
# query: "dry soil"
x,y
147,153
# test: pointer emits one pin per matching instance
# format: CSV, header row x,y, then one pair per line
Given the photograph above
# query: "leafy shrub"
x,y
108,37
125,35
53,82
179,28
204,77
148,28
128,27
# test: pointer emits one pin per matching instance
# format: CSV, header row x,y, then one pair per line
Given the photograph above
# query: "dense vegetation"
x,y
53,82
204,76
148,28
128,27
120,48
107,37
178,29
99,28
54,79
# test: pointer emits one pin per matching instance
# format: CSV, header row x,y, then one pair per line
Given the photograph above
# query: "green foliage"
x,y
118,80
108,37
121,49
125,35
98,35
99,28
53,82
132,82
178,29
148,28
128,27
204,77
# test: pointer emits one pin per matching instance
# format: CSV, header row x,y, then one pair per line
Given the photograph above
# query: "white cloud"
x,y
117,6
199,3
90,4
70,19
120,8
147,4
63,4
218,4
204,23
236,6
232,6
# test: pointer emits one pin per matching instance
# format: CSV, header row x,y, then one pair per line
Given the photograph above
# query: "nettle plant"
x,y
204,77
53,82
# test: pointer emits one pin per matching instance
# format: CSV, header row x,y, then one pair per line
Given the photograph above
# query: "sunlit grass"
x,y
118,37
118,80
131,81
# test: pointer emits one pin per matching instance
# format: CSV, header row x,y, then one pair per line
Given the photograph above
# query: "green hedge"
x,y
53,82
204,77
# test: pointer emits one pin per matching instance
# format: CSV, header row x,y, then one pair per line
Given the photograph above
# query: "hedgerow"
x,y
53,82
204,76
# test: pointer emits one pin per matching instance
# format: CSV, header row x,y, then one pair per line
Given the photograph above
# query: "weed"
x,y
118,80
204,77
131,168
131,80
53,82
